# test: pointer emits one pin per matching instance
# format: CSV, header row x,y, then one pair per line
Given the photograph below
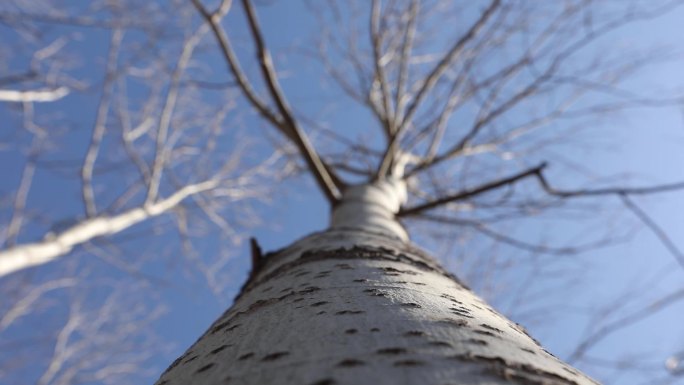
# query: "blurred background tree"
x,y
135,164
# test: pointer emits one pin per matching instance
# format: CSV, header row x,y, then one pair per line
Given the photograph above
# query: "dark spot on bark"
x,y
205,368
267,289
350,362
220,326
341,312
485,333
392,351
397,271
460,309
303,273
361,280
344,266
164,382
274,356
418,283
375,292
230,329
321,312
440,344
190,359
175,363
515,372
528,350
409,363
491,328
325,381
351,331
246,356
298,300
477,307
286,289
227,379
375,330
463,312
309,289
454,322
411,256
411,304
319,303
475,341
414,333
222,347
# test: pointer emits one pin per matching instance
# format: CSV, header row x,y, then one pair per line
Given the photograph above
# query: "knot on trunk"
x,y
372,206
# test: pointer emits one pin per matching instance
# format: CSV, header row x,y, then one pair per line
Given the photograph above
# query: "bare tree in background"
x,y
153,148
476,105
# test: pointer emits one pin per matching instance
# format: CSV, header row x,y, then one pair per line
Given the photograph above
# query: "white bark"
x,y
372,207
52,246
17,96
355,306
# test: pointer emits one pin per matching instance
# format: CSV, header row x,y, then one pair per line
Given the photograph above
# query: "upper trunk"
x,y
358,304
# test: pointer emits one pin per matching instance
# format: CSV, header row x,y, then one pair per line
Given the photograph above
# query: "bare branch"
x,y
608,190
100,126
320,171
472,192
214,20
430,81
54,246
659,232
17,96
386,114
610,328
161,145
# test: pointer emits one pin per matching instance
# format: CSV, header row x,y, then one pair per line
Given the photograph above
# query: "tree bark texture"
x,y
352,306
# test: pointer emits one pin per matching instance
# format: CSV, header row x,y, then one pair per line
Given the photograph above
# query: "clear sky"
x,y
645,146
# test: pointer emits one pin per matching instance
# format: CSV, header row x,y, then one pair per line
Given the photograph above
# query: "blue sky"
x,y
644,147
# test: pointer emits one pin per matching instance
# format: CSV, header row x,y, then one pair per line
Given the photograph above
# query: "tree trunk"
x,y
358,304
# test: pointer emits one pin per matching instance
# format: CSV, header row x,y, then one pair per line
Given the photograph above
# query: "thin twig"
x,y
659,232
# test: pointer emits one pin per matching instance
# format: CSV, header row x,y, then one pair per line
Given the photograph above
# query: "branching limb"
x,y
404,58
214,20
161,145
25,304
326,179
100,126
607,191
610,328
441,67
380,77
473,192
54,246
322,173
497,236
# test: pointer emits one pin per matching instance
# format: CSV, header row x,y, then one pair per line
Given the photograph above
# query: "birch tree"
x,y
359,302
449,125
